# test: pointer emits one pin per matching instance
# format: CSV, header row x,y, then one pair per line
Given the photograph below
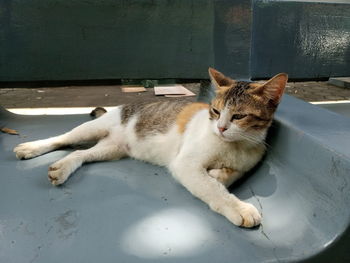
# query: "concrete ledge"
x,y
340,82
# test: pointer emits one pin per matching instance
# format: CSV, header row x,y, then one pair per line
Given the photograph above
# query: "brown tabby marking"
x,y
187,113
152,117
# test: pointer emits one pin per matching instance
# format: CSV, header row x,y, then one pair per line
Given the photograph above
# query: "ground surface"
x,y
111,95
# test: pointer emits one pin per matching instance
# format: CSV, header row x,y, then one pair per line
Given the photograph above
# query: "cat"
x,y
206,147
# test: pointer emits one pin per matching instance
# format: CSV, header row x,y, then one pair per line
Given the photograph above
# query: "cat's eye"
x,y
238,116
215,111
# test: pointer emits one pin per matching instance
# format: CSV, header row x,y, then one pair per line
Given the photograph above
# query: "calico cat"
x,y
205,147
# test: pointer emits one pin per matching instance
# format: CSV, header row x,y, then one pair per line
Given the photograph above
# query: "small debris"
x,y
167,252
9,131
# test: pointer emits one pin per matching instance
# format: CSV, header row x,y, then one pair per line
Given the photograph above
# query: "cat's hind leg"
x,y
104,150
89,131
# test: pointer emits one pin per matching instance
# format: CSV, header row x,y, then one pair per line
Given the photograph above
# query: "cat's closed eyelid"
x,y
258,117
238,116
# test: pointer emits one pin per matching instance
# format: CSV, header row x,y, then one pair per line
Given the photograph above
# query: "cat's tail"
x,y
98,112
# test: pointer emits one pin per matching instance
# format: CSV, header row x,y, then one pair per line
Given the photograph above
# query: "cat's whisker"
x,y
254,139
249,137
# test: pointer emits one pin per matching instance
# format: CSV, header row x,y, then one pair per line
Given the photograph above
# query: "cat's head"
x,y
244,110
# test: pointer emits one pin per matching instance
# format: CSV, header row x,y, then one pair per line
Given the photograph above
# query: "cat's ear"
x,y
272,89
219,80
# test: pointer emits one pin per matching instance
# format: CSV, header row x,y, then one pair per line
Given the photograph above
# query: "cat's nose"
x,y
222,129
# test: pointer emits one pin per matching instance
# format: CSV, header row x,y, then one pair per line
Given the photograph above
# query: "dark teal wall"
x,y
99,39
232,37
307,39
153,39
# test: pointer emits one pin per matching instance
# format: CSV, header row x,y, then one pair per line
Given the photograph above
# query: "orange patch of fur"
x,y
187,113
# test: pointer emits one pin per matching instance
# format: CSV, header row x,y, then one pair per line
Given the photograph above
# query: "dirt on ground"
x,y
112,95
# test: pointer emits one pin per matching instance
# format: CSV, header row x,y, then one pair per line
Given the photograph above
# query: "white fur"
x,y
158,149
188,156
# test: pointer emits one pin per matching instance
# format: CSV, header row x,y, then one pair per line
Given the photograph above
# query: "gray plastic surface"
x,y
130,211
342,108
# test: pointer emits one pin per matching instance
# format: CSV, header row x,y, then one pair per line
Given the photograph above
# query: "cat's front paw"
x,y
59,172
28,150
243,214
249,214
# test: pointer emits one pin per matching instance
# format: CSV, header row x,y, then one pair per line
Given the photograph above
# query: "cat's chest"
x,y
237,157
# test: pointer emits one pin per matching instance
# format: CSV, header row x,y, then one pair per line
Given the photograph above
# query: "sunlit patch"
x,y
330,102
172,232
55,111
